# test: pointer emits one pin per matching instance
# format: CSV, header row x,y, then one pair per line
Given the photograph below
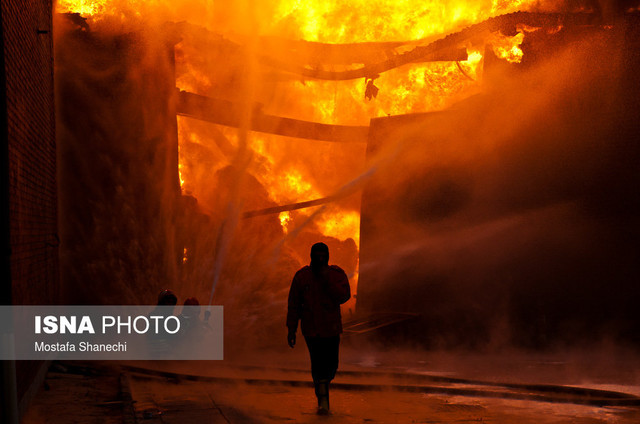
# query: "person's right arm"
x,y
293,312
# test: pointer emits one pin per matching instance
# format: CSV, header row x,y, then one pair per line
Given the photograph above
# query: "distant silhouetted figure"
x,y
160,344
316,293
167,298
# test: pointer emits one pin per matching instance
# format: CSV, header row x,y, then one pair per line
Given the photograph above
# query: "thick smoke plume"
x,y
512,217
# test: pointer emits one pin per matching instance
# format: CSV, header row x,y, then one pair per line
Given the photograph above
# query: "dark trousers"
x,y
324,357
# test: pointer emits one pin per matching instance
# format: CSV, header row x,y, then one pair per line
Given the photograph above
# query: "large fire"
x,y
296,170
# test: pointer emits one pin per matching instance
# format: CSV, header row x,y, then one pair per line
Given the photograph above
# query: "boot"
x,y
322,393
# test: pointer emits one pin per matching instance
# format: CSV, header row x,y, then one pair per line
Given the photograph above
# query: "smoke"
x,y
115,162
127,232
497,220
510,219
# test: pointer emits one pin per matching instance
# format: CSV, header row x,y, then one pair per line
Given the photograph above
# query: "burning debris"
x,y
265,140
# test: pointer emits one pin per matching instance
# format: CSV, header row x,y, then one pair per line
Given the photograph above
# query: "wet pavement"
x,y
379,389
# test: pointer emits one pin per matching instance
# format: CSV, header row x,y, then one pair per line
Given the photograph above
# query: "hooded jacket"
x,y
315,301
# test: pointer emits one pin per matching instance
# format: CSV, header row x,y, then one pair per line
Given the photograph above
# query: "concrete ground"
x,y
392,387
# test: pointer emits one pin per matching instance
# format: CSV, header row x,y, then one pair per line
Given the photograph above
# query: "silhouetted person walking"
x,y
316,293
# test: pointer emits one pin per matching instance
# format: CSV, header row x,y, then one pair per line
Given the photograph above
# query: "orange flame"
x,y
416,87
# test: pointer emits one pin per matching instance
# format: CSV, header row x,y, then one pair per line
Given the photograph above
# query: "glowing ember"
x,y
180,166
508,48
83,7
285,218
292,186
341,225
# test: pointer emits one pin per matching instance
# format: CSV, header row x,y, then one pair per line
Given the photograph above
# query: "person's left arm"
x,y
339,285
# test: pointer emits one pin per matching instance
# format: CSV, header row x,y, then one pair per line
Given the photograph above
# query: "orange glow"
x,y
387,20
287,178
83,7
291,186
508,48
285,218
180,166
337,21
341,225
559,28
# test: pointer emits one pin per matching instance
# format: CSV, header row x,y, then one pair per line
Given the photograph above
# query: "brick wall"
x,y
31,150
29,153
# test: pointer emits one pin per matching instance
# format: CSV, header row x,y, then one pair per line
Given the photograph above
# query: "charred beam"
x,y
334,57
310,52
504,23
301,52
290,207
417,55
227,113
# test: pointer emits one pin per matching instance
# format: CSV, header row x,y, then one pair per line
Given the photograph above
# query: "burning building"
x,y
471,165
490,158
